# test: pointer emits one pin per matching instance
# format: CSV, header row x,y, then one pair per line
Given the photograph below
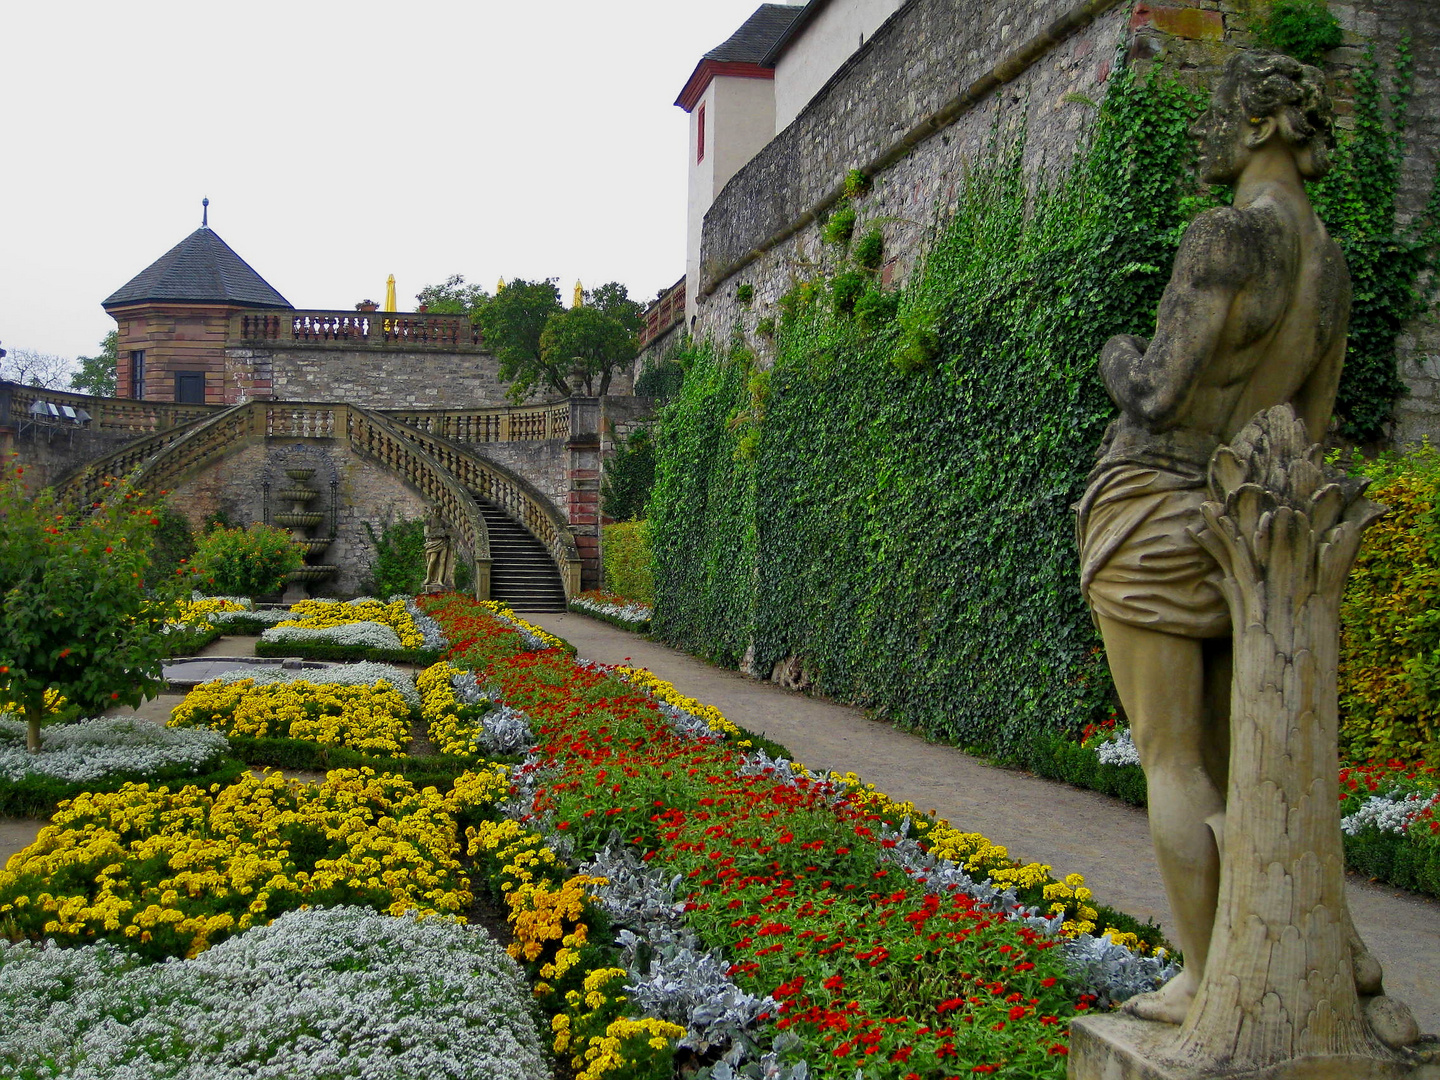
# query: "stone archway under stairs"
x,y
520,545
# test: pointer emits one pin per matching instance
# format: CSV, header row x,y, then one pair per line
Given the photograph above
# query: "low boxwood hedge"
x,y
320,650
38,796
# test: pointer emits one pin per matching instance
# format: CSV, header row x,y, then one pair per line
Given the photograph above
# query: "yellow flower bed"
x,y
198,612
547,918
172,872
478,790
372,718
444,714
323,614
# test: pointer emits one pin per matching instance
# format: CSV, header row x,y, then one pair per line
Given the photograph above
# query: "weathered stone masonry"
x,y
764,227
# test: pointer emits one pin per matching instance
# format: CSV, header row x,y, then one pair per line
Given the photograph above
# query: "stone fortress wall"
x,y
922,98
376,378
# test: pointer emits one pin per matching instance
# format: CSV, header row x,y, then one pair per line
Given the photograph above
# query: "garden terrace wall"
x,y
931,48
366,494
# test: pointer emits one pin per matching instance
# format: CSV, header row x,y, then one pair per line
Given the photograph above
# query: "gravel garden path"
x,y
1071,829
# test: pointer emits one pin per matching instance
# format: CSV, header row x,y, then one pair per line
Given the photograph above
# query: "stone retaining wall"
x,y
928,53
367,494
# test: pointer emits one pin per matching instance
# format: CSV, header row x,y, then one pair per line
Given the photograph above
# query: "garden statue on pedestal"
x,y
1211,514
439,556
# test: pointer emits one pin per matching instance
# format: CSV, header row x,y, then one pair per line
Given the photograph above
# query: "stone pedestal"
x,y
1120,1047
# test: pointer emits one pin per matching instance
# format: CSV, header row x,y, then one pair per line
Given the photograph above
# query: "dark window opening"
x,y
700,135
137,373
190,387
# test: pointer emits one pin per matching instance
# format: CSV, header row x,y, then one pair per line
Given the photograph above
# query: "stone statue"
x,y
439,556
1178,529
1254,316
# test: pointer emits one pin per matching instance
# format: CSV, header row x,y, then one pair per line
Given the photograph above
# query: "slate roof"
x,y
804,16
755,38
202,267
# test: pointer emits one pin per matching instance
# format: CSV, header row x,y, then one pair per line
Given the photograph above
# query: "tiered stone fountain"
x,y
300,521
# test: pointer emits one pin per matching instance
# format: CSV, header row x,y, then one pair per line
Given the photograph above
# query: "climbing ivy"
x,y
1391,265
895,510
892,504
1301,28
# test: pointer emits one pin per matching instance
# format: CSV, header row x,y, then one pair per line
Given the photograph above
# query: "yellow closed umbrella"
x,y
389,294
499,286
579,298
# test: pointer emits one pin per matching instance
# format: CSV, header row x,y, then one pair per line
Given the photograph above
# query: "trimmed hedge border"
x,y
237,626
1057,758
319,650
1384,856
436,770
38,796
642,628
189,641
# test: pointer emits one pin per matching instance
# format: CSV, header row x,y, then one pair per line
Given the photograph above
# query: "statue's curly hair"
x,y
1266,84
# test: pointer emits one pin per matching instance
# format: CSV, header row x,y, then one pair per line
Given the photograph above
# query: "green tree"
x,y
453,297
97,373
588,344
75,616
613,299
512,322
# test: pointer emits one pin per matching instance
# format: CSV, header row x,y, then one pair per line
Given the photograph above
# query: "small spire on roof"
x,y
205,213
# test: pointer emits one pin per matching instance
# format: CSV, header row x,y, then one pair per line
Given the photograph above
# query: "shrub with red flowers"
x,y
75,617
866,966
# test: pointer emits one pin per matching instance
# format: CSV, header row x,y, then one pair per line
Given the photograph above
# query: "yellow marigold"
x,y
185,868
666,692
373,718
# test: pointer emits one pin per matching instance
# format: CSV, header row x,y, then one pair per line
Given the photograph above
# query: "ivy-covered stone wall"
x,y
864,483
931,49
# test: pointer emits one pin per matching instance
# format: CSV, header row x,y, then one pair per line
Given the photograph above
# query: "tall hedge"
x,y
1390,618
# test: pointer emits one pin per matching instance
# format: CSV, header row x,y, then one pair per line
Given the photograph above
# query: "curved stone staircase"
x,y
523,574
522,547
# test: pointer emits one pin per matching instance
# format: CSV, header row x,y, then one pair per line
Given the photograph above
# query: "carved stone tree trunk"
x,y
1280,982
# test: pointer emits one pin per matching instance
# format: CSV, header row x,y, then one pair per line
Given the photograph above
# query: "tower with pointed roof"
x,y
174,316
730,97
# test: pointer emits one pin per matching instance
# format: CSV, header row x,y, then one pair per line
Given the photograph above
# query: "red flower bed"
x,y
866,966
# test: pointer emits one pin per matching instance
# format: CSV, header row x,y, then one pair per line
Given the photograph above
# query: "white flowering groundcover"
x,y
631,616
367,635
93,749
319,994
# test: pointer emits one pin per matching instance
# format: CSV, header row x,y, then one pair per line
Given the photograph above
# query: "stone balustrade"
x,y
400,331
106,413
523,423
442,470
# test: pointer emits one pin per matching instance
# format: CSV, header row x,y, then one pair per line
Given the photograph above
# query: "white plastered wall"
x,y
739,120
819,50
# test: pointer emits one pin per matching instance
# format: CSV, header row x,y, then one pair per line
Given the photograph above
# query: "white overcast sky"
x,y
339,143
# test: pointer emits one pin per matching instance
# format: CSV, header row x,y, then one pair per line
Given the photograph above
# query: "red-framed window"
x,y
700,135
